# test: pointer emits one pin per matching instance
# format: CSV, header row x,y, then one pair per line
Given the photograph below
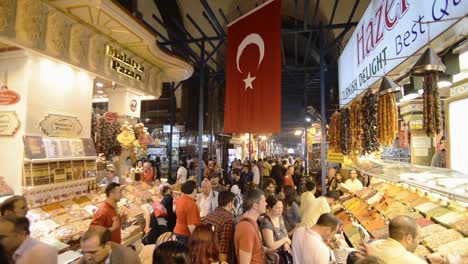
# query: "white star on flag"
x,y
248,82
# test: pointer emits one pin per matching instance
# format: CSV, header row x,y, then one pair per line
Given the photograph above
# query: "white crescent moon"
x,y
251,39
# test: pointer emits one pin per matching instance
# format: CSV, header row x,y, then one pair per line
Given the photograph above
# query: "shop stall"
x,y
402,87
55,56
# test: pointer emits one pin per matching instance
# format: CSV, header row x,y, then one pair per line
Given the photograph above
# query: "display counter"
x,y
61,224
449,183
435,198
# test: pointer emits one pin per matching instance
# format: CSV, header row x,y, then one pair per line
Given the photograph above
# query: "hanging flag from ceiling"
x,y
253,72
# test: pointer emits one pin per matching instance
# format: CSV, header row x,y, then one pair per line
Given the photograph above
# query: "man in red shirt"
x,y
247,238
188,215
107,215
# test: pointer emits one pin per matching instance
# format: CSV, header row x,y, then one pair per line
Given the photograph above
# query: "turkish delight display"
x,y
457,247
426,207
438,239
462,226
430,229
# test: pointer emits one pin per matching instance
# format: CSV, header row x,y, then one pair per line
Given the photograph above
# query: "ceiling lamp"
x,y
99,84
429,61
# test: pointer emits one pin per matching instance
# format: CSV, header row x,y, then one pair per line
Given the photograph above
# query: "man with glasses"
x,y
97,248
20,246
107,216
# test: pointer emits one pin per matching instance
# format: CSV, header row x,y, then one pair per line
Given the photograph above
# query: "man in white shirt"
x,y
318,207
181,173
207,200
353,184
404,237
20,246
307,198
309,243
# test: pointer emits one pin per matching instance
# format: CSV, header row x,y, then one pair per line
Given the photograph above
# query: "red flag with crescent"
x,y
253,72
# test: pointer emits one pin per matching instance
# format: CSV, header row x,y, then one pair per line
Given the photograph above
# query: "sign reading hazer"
x,y
121,63
390,31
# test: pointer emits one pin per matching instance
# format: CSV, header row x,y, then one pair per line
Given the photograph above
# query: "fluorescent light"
x,y
443,84
100,91
99,84
100,100
409,97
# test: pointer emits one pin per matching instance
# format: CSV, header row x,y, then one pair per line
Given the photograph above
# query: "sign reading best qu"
x,y
388,33
123,64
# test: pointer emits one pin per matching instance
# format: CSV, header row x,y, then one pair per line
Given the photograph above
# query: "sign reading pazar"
x,y
61,126
123,64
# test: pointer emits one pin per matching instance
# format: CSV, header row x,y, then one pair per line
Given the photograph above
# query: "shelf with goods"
x,y
443,222
61,223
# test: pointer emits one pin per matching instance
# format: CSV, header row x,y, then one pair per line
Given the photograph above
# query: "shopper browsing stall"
x,y
404,237
98,248
20,246
320,206
309,244
15,205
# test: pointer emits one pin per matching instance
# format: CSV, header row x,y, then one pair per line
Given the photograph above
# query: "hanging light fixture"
x,y
389,86
429,61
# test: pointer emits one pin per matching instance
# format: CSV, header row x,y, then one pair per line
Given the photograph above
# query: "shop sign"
x,y
111,116
389,32
9,123
8,97
334,157
123,64
61,126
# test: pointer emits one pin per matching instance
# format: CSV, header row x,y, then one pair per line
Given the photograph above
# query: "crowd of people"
x,y
261,212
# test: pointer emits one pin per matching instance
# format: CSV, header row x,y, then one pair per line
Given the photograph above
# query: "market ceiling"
x,y
178,24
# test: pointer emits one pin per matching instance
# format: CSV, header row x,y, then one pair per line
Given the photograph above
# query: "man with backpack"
x,y
247,238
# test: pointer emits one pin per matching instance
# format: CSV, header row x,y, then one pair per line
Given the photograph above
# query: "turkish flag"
x,y
253,72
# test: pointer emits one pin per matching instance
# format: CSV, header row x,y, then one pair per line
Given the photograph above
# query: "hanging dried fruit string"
x,y
334,132
369,126
355,128
345,132
387,118
432,111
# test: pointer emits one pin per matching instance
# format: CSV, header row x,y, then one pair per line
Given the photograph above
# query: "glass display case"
x,y
449,183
